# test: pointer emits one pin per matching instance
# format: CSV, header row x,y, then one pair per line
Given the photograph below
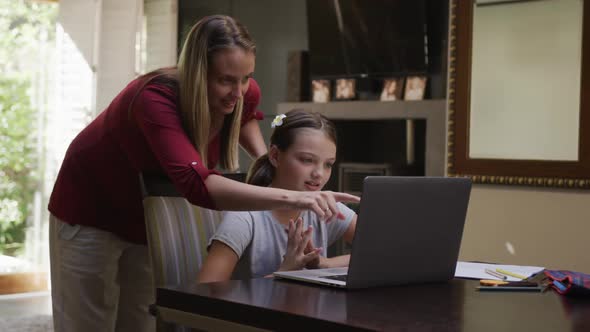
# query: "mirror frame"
x,y
563,174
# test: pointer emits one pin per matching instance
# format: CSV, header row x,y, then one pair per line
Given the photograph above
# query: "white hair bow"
x,y
278,121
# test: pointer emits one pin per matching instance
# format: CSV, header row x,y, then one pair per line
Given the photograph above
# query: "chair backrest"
x,y
177,231
177,237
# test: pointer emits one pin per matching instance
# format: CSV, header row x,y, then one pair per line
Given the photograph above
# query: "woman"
x,y
258,243
182,122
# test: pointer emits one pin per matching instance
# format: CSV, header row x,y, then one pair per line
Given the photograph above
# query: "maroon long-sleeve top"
x,y
98,183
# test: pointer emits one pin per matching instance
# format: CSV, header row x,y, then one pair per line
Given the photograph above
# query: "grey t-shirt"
x,y
260,241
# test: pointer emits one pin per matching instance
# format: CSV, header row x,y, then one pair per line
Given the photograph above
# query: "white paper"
x,y
478,270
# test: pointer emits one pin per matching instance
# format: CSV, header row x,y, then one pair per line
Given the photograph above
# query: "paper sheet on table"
x,y
478,270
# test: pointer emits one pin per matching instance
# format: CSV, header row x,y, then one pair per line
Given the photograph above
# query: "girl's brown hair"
x,y
261,172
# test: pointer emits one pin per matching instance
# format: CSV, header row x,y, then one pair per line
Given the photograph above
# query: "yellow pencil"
x,y
496,274
512,274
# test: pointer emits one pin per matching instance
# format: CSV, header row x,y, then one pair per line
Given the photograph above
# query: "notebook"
x,y
408,230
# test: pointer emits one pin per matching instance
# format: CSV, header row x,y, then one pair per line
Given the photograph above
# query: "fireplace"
x,y
409,136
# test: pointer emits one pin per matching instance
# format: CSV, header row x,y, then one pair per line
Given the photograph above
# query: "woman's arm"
x,y
219,264
232,195
158,118
250,136
251,139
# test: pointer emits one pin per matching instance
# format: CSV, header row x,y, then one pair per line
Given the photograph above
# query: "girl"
x,y
255,244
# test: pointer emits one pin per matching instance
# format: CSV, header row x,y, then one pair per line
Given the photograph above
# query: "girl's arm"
x,y
349,234
232,195
219,264
338,261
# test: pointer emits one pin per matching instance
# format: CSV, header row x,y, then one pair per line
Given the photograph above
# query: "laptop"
x,y
408,231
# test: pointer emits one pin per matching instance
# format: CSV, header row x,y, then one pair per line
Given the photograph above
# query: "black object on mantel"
x,y
359,38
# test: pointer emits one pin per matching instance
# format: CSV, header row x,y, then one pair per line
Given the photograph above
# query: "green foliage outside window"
x,y
17,162
23,25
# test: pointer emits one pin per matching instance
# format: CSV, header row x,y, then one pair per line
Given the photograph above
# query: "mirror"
x,y
519,89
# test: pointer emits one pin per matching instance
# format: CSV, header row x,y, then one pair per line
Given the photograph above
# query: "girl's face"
x,y
307,164
228,79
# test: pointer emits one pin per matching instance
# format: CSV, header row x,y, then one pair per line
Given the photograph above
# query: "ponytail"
x,y
261,172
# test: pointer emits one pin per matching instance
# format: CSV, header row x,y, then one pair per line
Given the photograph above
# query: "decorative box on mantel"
x,y
432,111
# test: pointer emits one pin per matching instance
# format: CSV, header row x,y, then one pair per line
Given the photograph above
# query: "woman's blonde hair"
x,y
209,35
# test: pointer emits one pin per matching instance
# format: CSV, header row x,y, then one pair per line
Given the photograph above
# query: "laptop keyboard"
x,y
341,277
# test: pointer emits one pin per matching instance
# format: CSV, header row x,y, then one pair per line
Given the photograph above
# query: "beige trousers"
x,y
98,281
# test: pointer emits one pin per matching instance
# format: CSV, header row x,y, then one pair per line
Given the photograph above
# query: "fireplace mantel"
x,y
433,111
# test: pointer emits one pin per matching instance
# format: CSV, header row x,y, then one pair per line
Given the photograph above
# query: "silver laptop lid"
x,y
409,230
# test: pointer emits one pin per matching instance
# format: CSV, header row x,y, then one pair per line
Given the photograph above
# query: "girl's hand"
x,y
295,258
323,203
317,263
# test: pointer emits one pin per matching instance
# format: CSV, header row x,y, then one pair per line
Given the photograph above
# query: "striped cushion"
x,y
178,233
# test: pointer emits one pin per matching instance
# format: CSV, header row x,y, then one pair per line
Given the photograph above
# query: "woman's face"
x,y
307,164
228,79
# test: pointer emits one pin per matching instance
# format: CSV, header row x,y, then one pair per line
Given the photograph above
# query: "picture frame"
x,y
392,89
320,91
415,87
345,89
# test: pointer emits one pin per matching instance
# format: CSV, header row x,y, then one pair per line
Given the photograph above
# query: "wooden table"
x,y
267,304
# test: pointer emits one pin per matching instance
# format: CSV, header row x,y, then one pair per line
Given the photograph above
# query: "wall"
x,y
545,227
116,48
161,30
105,34
529,226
